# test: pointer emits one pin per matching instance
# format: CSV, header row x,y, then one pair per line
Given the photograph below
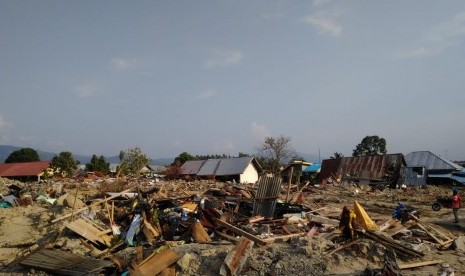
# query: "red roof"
x,y
23,169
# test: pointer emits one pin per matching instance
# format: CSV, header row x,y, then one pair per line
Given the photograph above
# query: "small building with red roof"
x,y
24,170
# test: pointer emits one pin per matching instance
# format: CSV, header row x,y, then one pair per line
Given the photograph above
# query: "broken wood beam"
x,y
420,264
155,263
241,232
391,243
199,233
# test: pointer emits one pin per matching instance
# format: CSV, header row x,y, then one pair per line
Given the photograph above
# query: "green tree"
x,y
275,151
64,163
23,155
337,155
132,161
98,164
182,158
370,145
242,154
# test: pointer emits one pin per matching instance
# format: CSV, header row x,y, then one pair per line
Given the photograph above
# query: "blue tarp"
x,y
313,168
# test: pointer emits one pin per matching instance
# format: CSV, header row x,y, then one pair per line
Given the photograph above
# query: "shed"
x,y
24,170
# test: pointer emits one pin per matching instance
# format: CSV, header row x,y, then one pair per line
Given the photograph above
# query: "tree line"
x,y
272,154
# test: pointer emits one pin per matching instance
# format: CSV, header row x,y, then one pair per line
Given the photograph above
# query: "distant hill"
x,y
6,150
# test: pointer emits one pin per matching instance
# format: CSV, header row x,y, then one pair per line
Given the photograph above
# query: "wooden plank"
x,y
226,236
312,231
169,271
413,265
85,230
241,232
155,263
255,219
199,233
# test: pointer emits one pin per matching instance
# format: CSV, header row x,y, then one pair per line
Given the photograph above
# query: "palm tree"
x,y
337,155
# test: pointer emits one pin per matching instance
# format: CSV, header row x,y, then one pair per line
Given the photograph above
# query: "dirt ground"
x,y
24,228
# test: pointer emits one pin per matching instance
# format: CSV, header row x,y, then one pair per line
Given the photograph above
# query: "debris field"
x,y
137,226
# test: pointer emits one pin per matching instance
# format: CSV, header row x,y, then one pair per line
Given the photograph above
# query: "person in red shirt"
x,y
456,204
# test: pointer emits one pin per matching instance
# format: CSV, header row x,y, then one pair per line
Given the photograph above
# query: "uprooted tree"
x,y
274,152
132,161
370,145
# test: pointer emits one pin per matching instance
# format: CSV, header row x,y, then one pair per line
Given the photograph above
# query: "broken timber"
x,y
87,207
391,243
155,263
241,232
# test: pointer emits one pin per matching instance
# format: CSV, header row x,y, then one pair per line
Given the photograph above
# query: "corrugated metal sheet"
x,y
64,263
23,169
430,161
192,167
266,196
362,167
209,167
410,177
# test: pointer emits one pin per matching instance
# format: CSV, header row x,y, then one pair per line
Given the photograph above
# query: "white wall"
x,y
250,175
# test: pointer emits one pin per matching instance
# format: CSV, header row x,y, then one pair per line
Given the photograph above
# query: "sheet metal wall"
x,y
267,195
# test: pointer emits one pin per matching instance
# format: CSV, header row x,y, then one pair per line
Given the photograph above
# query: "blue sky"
x,y
97,77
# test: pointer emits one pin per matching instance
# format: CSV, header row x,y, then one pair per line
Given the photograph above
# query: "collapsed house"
x,y
364,169
236,169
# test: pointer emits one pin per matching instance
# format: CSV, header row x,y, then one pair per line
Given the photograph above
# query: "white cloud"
x,y
124,64
325,23
221,59
85,90
205,95
259,131
438,38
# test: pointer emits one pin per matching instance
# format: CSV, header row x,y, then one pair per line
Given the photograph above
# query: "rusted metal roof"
x,y
23,169
430,161
362,167
191,167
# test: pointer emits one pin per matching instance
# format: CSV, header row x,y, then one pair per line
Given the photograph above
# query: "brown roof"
x,y
23,169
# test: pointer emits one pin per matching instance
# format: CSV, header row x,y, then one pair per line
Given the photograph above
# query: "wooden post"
x,y
74,202
289,184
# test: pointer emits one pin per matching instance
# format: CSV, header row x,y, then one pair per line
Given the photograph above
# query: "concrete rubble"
x,y
136,226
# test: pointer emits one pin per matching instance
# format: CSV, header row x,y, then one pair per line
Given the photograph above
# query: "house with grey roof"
x,y
238,169
438,169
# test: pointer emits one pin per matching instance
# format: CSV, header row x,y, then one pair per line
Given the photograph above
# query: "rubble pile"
x,y
136,226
